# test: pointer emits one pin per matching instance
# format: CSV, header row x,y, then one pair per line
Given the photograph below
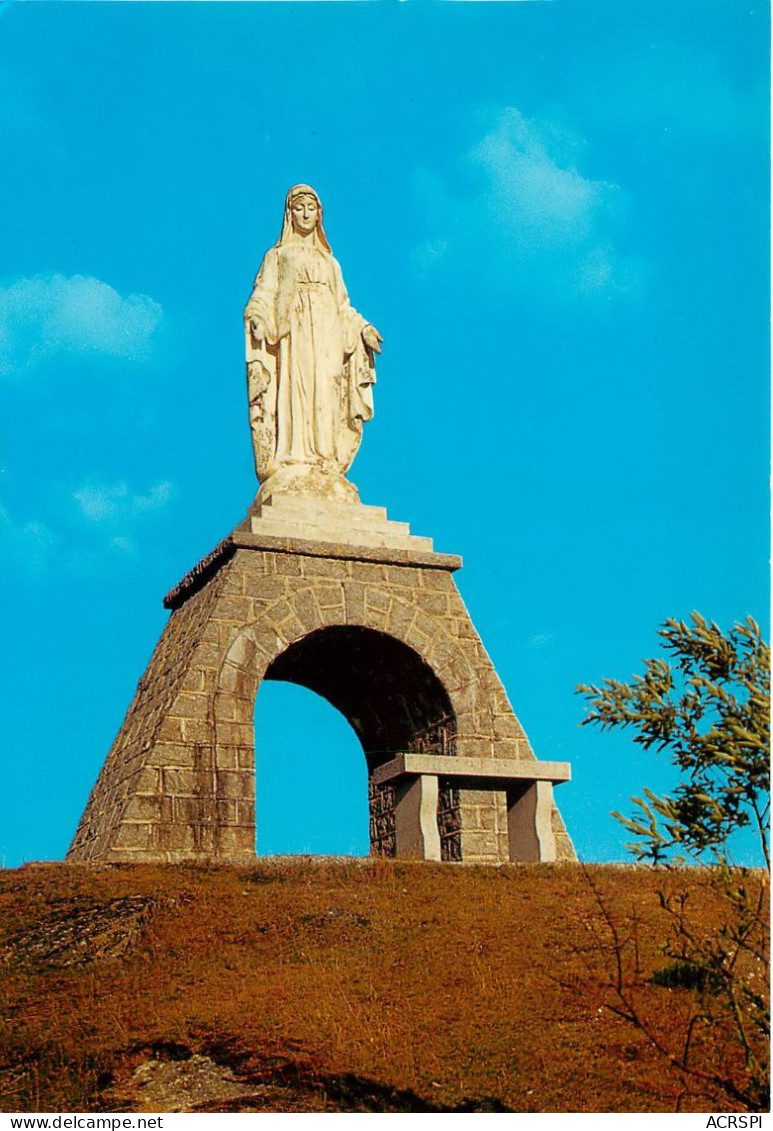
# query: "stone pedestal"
x,y
338,599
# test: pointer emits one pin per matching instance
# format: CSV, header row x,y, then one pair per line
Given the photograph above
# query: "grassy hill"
x,y
339,985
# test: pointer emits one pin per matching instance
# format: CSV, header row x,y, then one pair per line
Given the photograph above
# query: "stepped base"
x,y
336,521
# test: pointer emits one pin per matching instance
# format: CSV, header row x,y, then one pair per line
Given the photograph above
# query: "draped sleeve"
x,y
352,322
262,302
261,359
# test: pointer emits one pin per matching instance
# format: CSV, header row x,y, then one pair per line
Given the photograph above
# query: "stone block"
x,y
246,758
196,731
288,565
193,810
233,584
171,730
234,734
434,603
174,837
236,610
484,724
507,748
236,842
335,616
354,598
465,723
426,624
231,677
245,812
465,697
135,835
148,779
306,609
179,781
417,638
436,579
199,679
291,628
475,797
160,754
226,812
400,618
465,631
233,784
506,727
245,649
190,705
228,707
377,598
481,817
500,704
329,596
144,807
479,846
208,655
227,757
473,747
279,611
325,567
265,587
369,572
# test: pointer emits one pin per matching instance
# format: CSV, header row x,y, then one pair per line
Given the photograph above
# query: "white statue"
x,y
310,364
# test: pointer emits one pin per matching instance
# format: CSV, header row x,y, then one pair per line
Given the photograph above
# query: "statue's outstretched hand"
x,y
371,338
257,328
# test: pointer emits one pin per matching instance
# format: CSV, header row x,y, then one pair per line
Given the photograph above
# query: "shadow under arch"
x,y
391,697
393,701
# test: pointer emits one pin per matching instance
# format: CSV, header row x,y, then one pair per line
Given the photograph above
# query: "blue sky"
x,y
555,213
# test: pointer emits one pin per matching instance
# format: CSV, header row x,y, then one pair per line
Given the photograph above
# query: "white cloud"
x,y
533,191
29,544
123,545
77,315
96,524
118,504
531,211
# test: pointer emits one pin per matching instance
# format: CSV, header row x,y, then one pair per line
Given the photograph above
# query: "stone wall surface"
x,y
391,645
126,775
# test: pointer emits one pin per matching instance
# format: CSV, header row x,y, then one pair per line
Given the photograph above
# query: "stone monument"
x,y
317,589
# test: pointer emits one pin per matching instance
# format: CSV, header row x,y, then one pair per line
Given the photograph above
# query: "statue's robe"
x,y
310,380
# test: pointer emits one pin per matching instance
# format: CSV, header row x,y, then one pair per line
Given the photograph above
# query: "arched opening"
x,y
390,696
312,780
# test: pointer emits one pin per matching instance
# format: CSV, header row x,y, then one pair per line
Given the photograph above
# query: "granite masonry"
x,y
382,633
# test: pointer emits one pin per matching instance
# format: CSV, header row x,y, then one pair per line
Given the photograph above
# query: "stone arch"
x,y
395,698
390,696
258,644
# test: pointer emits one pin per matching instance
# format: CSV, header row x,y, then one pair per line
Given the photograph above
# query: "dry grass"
x,y
339,985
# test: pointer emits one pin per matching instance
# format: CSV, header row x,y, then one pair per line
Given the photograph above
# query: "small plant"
x,y
711,712
681,975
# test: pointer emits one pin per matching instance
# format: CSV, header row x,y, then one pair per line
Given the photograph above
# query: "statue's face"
x,y
305,214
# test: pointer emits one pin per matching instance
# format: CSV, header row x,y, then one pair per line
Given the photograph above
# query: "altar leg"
x,y
416,826
529,822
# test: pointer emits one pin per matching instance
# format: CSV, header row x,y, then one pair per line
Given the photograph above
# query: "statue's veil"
x,y
288,235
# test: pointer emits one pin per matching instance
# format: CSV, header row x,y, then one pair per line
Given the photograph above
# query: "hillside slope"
x,y
334,985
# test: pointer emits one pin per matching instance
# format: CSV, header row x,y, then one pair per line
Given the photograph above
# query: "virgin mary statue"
x,y
310,364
